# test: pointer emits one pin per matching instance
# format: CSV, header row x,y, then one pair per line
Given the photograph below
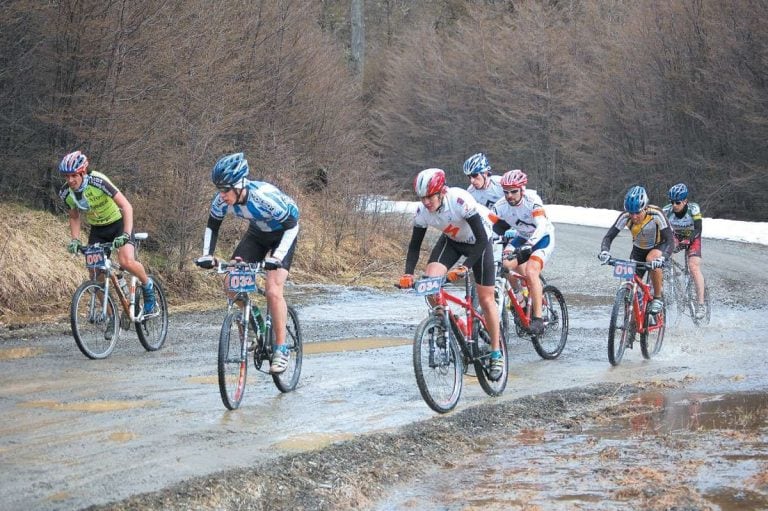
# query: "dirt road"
x,y
75,432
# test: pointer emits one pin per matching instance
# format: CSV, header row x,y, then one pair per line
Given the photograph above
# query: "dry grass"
x,y
40,276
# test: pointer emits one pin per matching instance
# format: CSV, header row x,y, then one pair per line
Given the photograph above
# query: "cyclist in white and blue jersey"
x,y
273,224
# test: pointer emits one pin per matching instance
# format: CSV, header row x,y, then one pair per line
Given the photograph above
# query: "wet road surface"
x,y
76,432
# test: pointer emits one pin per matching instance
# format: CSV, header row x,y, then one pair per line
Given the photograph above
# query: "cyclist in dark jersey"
x,y
93,196
652,239
685,219
273,224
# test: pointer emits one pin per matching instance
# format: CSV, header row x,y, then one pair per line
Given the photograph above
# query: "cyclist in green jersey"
x,y
93,196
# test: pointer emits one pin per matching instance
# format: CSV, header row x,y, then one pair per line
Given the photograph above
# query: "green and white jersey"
x,y
96,200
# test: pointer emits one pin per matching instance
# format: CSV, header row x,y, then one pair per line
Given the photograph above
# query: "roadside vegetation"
x,y
39,275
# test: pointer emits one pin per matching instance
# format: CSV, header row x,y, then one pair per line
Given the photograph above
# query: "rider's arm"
x,y
500,227
127,211
417,236
605,246
481,240
667,241
211,235
696,229
540,219
291,226
74,223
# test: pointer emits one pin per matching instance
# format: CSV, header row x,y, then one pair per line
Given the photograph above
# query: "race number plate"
x,y
624,271
95,258
428,285
242,281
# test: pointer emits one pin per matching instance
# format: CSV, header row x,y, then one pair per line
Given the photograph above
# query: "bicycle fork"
x,y
439,343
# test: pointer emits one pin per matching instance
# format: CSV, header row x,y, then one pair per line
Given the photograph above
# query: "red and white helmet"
x,y
514,179
74,163
429,182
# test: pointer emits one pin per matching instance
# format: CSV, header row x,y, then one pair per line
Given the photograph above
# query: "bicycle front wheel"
x,y
288,379
437,364
550,344
653,338
95,331
153,329
232,363
620,330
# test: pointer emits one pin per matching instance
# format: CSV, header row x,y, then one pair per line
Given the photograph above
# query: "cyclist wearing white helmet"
x,y
92,195
685,219
466,229
652,238
529,234
485,188
273,224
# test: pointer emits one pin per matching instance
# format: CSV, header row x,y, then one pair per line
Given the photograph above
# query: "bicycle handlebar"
x,y
613,261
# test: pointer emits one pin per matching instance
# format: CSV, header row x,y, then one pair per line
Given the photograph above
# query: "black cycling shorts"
x,y
447,252
254,248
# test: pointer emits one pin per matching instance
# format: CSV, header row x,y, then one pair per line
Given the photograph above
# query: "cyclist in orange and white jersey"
x,y
466,228
652,239
529,234
685,219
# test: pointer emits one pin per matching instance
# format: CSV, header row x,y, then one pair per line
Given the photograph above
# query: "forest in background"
x,y
588,97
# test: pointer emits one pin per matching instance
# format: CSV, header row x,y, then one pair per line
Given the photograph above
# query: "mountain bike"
x,y
445,343
509,283
683,298
235,344
630,315
105,296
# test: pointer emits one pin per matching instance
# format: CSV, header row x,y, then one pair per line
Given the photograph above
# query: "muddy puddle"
x,y
662,450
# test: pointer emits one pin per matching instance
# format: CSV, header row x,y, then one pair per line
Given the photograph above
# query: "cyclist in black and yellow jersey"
x,y
652,239
92,196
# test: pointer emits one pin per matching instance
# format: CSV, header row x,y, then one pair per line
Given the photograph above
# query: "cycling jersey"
x,y
527,217
490,194
652,232
531,222
267,209
687,223
96,200
450,218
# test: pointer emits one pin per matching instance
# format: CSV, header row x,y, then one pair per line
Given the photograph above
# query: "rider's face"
x,y
513,196
431,202
74,181
229,196
678,205
478,181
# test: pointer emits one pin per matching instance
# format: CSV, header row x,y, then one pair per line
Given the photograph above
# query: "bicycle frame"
x,y
443,298
522,313
641,299
99,263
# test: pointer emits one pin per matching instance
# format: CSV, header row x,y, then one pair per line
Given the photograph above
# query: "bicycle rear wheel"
x,y
653,338
232,362
437,364
152,330
692,301
482,363
287,380
94,331
620,331
550,344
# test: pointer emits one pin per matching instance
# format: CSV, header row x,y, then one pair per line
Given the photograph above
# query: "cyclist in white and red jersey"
x,y
652,239
685,219
529,235
273,224
466,228
485,188
92,195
